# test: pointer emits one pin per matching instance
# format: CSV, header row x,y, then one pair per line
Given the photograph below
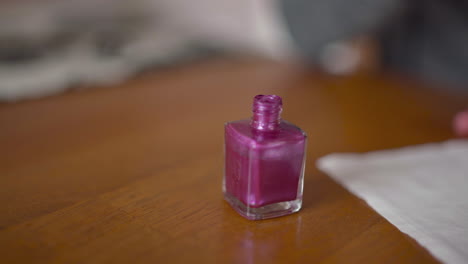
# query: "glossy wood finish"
x,y
132,173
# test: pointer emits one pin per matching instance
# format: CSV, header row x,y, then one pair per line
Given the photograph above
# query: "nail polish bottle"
x,y
264,162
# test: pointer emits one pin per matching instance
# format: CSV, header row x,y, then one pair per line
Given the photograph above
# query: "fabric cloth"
x,y
422,190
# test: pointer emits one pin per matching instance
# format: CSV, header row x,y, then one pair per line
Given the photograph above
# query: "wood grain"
x,y
132,172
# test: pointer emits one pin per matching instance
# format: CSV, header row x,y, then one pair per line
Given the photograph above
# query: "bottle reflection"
x,y
265,242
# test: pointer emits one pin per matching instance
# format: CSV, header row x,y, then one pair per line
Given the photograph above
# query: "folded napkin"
x,y
422,190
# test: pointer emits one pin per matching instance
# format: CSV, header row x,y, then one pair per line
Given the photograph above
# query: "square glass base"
x,y
264,212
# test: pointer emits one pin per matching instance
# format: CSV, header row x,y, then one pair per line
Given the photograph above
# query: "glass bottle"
x,y
264,162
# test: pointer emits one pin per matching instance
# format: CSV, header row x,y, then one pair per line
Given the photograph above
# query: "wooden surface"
x,y
132,173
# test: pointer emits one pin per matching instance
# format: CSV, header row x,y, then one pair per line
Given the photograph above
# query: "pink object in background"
x,y
460,124
264,164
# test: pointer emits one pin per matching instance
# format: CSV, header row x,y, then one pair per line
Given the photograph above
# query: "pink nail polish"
x,y
264,162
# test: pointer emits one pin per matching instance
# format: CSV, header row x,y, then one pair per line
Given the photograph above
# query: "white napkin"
x,y
422,190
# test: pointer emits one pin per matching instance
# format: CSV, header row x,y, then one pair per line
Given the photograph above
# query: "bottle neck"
x,y
266,113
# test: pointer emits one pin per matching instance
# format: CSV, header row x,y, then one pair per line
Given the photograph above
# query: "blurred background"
x,y
47,46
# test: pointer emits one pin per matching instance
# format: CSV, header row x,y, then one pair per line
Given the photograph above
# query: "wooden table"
x,y
132,173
